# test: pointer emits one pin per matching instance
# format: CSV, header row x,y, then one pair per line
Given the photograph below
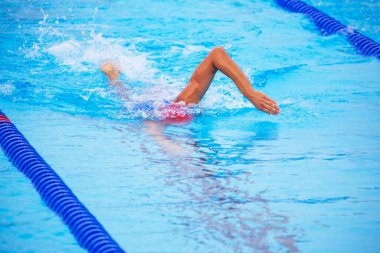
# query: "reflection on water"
x,y
221,204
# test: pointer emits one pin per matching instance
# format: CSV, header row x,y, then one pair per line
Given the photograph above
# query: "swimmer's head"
x,y
111,70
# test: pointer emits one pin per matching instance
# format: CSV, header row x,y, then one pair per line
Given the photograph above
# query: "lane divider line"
x,y
328,25
86,229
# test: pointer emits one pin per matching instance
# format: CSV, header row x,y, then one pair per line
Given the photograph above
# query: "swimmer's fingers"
x,y
264,103
272,106
273,103
269,108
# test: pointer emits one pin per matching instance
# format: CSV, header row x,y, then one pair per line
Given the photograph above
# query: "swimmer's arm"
x,y
156,130
117,84
112,72
121,90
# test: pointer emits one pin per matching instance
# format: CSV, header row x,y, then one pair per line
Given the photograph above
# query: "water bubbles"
x,y
100,91
7,88
347,30
45,17
33,52
95,12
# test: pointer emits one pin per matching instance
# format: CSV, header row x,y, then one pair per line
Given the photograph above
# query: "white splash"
x,y
101,91
190,49
89,55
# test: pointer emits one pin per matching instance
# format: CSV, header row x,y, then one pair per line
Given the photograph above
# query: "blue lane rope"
x,y
329,25
89,233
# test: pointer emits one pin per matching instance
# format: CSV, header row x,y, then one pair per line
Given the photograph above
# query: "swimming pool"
x,y
306,180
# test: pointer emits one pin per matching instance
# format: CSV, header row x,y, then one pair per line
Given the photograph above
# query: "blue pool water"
x,y
234,179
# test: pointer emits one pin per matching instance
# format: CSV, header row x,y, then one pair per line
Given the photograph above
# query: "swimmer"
x,y
200,81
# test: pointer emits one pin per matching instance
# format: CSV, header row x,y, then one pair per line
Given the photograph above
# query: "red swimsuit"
x,y
176,113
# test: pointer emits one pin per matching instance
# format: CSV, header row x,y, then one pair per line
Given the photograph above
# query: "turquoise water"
x,y
234,179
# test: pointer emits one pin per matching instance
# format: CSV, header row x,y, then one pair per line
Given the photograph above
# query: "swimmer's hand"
x,y
119,89
264,103
111,70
